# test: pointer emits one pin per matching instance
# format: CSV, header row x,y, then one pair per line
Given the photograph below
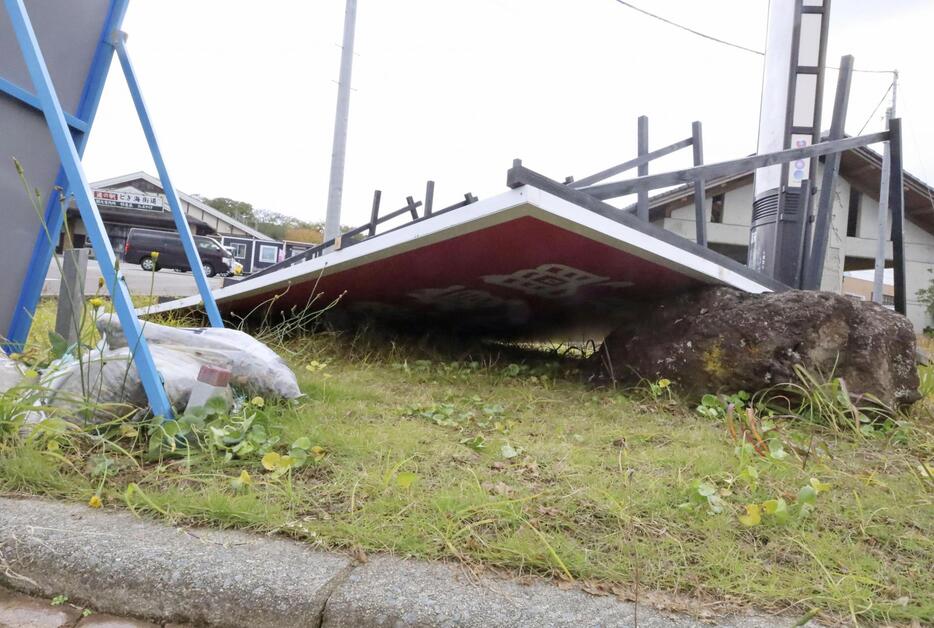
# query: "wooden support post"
x,y
642,206
897,205
814,265
700,217
70,315
878,278
374,212
795,271
429,198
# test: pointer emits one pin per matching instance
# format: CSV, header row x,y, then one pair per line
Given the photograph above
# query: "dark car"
x,y
142,243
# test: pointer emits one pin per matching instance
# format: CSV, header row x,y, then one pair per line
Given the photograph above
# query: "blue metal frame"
x,y
12,89
184,231
71,164
54,214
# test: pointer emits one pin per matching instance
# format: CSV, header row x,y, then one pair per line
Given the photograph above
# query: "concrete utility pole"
x,y
879,276
332,223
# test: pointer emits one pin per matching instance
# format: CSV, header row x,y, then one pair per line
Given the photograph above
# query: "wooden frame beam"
x,y
734,166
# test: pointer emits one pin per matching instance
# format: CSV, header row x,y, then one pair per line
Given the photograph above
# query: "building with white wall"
x,y
852,244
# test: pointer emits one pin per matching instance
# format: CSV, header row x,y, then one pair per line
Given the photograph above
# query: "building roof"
x,y
192,200
862,167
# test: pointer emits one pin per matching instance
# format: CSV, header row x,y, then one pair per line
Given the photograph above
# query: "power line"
x,y
723,41
691,30
869,119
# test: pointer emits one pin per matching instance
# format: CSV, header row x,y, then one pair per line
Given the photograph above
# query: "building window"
x,y
239,249
888,300
852,217
268,254
716,208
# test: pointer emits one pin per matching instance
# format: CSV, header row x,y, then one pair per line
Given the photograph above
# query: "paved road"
x,y
17,611
165,283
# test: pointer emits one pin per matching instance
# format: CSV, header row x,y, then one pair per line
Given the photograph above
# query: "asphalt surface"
x,y
164,283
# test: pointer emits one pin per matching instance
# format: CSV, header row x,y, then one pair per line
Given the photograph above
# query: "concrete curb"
x,y
118,564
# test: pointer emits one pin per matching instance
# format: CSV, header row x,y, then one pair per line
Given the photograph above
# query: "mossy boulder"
x,y
721,339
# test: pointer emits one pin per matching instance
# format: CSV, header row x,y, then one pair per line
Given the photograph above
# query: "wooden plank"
x,y
814,265
374,211
429,197
700,217
642,204
628,165
726,168
897,204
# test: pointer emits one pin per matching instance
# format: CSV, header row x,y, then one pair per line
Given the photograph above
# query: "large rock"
x,y
720,339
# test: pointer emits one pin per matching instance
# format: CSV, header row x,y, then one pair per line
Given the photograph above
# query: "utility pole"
x,y
879,276
332,223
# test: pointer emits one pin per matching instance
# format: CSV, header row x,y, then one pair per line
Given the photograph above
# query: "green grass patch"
x,y
503,458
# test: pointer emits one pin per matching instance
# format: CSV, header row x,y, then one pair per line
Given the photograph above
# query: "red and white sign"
x,y
508,266
128,200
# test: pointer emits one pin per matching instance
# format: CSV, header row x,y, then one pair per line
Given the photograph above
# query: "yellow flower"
x,y
242,482
664,383
96,302
154,255
95,501
259,402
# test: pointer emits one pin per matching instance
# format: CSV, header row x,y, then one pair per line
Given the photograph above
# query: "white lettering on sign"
x,y
128,200
456,298
550,281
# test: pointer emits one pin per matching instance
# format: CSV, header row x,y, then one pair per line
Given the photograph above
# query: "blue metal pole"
x,y
54,216
71,163
184,231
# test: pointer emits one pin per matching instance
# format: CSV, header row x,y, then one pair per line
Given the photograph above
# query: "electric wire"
x,y
872,115
690,30
723,41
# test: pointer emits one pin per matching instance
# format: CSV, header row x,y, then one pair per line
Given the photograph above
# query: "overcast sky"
x,y
242,93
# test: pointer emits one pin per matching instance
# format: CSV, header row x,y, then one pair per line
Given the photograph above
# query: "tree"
x,y
274,224
926,296
239,210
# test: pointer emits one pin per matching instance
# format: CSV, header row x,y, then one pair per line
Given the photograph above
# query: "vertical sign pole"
x,y
332,222
77,183
70,313
642,205
181,224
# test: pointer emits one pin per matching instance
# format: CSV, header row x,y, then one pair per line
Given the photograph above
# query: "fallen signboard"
x,y
525,263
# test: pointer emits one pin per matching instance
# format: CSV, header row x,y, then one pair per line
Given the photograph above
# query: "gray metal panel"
x,y
68,33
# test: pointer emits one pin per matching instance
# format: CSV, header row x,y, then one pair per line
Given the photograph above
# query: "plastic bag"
x,y
105,385
10,373
254,366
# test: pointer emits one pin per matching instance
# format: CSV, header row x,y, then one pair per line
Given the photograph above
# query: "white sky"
x,y
242,93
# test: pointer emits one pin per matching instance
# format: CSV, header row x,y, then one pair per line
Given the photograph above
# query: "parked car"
x,y
142,243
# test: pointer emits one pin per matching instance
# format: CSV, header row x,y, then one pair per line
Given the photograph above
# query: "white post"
x,y
332,223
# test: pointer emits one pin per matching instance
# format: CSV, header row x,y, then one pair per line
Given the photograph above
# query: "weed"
x,y
439,450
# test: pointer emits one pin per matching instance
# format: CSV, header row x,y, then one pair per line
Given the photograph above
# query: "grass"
x,y
502,459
